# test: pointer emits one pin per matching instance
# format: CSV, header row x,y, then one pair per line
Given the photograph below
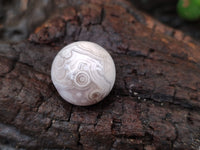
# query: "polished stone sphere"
x,y
83,73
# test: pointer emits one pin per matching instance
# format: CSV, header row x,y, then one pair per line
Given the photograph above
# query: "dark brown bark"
x,y
155,103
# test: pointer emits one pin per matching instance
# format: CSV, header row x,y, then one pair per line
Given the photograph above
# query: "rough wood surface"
x,y
155,103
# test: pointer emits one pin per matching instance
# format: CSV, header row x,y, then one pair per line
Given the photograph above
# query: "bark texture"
x,y
155,103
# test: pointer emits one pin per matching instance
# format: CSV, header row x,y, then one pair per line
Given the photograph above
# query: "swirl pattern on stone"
x,y
83,73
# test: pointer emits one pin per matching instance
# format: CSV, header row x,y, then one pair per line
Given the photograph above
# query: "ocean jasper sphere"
x,y
83,73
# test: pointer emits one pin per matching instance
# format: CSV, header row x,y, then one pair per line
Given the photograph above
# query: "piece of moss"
x,y
189,9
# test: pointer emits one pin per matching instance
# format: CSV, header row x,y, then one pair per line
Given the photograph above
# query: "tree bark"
x,y
155,103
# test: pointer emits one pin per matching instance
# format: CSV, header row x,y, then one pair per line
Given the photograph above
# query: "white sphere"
x,y
83,73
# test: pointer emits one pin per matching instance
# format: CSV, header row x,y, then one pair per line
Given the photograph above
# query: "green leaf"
x,y
189,9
